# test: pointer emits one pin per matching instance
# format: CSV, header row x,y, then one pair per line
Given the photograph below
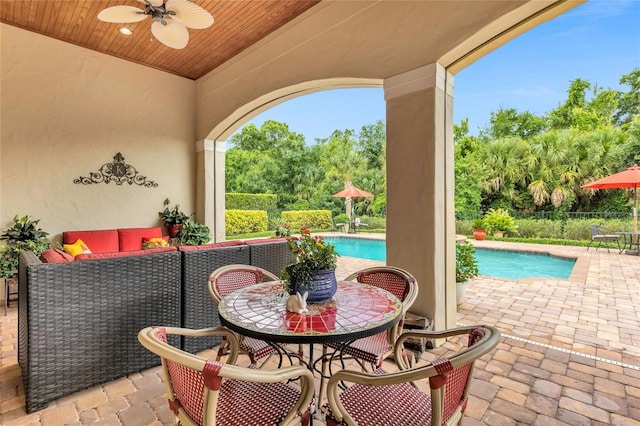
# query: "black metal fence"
x,y
551,215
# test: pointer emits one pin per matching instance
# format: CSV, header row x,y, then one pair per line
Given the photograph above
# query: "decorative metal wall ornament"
x,y
118,172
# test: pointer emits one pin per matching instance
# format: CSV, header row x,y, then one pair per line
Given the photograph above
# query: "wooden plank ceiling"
x,y
237,25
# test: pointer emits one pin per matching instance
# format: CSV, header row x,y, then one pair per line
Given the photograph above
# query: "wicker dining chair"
x,y
373,350
201,391
228,279
397,398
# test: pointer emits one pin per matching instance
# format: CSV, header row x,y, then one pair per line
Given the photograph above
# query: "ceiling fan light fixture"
x,y
170,20
126,31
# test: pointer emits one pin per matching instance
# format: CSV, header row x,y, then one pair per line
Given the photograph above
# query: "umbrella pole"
x,y
635,209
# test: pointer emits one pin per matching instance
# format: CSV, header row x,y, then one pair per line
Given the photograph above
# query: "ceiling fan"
x,y
170,19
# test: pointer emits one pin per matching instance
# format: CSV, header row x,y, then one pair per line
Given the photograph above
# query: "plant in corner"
x,y
499,222
479,229
24,234
466,267
173,218
313,269
194,233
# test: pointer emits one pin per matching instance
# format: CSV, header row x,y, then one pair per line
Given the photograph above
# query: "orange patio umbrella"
x,y
629,178
351,192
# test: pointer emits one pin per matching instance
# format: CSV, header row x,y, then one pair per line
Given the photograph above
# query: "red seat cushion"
x,y
131,238
99,241
54,255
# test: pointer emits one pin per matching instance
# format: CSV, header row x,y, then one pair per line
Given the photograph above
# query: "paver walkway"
x,y
569,355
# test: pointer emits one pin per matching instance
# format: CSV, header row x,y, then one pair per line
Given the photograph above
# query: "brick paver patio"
x,y
569,354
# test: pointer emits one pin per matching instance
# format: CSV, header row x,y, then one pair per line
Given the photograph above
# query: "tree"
x,y
629,102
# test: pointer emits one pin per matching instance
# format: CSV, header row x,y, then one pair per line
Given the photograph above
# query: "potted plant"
x,y
194,233
499,222
173,218
24,234
466,267
479,230
313,269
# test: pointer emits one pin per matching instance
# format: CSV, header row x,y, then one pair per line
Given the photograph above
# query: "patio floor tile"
x,y
569,353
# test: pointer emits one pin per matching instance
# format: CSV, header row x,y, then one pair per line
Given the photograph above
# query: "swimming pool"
x,y
494,263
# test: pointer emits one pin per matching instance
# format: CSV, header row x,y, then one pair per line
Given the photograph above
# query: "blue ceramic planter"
x,y
324,286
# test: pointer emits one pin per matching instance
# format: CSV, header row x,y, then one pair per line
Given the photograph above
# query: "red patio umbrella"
x,y
629,178
351,192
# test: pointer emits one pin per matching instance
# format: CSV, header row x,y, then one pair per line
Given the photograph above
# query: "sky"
x,y
598,41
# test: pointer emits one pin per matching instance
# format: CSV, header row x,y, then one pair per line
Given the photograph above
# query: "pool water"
x,y
494,263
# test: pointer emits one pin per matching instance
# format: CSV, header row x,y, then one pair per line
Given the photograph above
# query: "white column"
x,y
210,186
420,187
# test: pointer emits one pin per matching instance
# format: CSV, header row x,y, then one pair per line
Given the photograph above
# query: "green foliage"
x,y
377,223
540,228
478,224
23,229
24,234
245,221
466,262
310,254
172,216
463,227
194,233
241,201
500,220
316,219
341,218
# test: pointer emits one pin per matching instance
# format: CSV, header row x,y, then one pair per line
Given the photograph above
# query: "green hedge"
x,y
313,219
571,229
240,201
245,221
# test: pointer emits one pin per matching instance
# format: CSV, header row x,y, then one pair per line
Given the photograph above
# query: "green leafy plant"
x,y
466,262
341,218
194,233
310,254
172,216
23,235
478,224
283,230
500,220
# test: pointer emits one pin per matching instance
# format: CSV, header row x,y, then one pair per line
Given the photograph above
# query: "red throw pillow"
x,y
131,238
54,255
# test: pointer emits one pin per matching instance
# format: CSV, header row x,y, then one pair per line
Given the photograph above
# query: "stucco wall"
x,y
66,111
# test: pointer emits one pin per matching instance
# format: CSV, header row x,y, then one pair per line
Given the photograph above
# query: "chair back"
x,y
230,278
448,379
396,281
595,230
205,392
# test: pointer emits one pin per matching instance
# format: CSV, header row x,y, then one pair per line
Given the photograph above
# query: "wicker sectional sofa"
x,y
78,321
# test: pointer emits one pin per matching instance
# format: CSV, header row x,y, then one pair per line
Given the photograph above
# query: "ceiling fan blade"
x,y
152,2
189,14
174,34
121,14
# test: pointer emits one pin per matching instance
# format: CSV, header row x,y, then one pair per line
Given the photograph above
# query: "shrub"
x,y
341,218
466,262
539,228
245,221
377,223
463,227
500,220
310,219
